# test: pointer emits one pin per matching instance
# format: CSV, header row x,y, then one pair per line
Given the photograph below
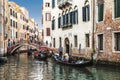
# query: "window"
x,y
63,20
10,11
16,15
117,8
59,22
86,13
75,17
23,26
67,17
16,24
71,14
11,22
47,4
11,33
87,40
117,41
75,40
53,3
60,41
100,42
47,31
42,32
48,17
100,11
16,35
54,42
53,24
13,13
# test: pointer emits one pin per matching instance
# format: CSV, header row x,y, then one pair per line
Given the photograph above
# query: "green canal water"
x,y
22,67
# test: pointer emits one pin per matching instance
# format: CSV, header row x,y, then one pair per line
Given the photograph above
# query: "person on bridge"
x,y
13,42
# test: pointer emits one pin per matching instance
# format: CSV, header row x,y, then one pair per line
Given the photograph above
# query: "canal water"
x,y
22,67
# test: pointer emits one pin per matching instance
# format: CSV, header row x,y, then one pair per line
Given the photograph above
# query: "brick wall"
x,y
107,27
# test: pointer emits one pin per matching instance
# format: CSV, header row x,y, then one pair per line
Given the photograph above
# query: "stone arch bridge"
x,y
12,49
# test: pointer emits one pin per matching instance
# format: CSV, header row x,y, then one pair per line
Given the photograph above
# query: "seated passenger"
x,y
64,59
71,60
66,56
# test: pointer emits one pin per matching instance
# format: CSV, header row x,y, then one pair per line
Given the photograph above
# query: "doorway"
x,y
67,47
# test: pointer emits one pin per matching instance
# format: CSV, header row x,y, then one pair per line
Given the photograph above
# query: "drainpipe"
x,y
93,48
4,24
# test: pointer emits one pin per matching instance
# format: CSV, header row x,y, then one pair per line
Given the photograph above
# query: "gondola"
x,y
82,63
41,57
3,60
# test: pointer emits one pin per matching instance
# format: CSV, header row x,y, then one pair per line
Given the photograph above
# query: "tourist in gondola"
x,y
71,60
64,59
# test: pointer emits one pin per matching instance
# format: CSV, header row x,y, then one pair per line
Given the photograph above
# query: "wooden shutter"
x,y
48,31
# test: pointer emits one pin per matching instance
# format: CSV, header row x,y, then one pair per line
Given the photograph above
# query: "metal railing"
x,y
60,2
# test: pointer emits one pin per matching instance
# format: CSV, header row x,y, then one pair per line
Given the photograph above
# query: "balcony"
x,y
64,3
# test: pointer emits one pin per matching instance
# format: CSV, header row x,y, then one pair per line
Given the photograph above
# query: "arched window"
x,y
66,17
70,16
86,11
75,15
63,19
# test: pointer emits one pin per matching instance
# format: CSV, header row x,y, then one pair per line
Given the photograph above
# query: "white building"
x,y
40,38
46,21
13,21
72,25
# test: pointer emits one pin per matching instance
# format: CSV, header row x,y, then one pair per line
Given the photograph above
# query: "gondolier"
x,y
60,52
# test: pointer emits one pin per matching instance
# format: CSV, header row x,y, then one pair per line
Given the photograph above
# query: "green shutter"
x,y
100,12
84,13
118,8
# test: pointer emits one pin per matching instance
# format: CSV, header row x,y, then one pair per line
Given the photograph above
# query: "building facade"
x,y
46,22
13,32
4,25
72,24
22,27
107,30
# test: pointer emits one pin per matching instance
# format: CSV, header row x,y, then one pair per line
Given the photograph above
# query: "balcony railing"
x,y
63,3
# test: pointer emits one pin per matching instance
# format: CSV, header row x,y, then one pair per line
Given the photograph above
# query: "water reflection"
x,y
22,67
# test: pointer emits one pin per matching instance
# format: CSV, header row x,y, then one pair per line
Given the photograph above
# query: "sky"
x,y
34,7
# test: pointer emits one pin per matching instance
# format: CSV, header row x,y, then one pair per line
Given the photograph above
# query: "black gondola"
x,y
82,63
41,57
3,60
